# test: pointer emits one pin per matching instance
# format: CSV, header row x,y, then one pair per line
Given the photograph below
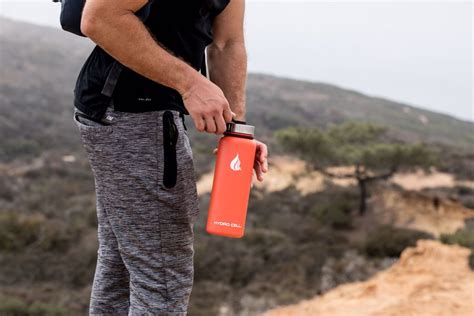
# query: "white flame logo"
x,y
235,163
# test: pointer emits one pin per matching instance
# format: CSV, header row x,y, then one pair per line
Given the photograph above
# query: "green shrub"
x,y
335,210
12,306
45,309
387,241
336,215
20,231
463,237
471,260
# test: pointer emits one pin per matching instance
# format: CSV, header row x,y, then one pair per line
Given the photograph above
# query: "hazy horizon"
x,y
377,48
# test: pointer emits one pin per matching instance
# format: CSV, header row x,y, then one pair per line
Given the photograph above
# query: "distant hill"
x,y
39,66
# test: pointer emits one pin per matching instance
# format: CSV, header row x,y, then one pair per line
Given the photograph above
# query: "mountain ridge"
x,y
40,65
4,19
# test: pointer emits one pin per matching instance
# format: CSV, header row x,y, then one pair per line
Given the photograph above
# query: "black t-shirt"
x,y
184,27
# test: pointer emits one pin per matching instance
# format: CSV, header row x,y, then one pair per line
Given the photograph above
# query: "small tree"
x,y
364,146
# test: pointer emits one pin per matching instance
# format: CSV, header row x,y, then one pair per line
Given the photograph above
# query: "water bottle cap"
x,y
242,129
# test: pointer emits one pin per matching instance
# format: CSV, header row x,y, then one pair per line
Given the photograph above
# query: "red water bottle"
x,y
232,181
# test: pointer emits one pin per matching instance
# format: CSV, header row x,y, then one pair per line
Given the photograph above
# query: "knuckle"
x,y
200,127
209,111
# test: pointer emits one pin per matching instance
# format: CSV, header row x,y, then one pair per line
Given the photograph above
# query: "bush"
x,y
20,231
463,237
11,306
336,215
387,241
471,260
44,309
333,207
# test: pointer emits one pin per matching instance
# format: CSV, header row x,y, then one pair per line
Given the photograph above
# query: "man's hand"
x,y
207,106
260,165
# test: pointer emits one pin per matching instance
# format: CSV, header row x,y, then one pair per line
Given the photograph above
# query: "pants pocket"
x,y
170,139
87,121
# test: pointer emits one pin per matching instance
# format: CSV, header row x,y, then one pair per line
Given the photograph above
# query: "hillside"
x,y
48,240
430,279
40,64
303,235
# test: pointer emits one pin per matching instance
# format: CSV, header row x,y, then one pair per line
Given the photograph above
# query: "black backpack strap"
x,y
112,79
116,70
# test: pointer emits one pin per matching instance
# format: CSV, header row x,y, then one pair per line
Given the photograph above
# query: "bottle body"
x,y
231,186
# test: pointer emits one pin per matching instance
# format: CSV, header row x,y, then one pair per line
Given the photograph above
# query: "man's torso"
x,y
183,27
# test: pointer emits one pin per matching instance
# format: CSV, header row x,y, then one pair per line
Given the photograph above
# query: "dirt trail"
x,y
430,279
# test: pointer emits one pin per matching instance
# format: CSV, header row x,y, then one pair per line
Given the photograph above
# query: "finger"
x,y
263,153
258,171
198,122
262,157
214,151
264,165
220,123
228,115
210,124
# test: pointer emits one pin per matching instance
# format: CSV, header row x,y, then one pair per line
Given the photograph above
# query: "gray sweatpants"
x,y
146,205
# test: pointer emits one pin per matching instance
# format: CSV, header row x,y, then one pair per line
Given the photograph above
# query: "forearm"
x,y
228,69
126,38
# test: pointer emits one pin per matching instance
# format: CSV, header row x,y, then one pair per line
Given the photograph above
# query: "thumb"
x,y
228,115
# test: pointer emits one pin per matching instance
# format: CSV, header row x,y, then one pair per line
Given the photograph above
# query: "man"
x,y
130,119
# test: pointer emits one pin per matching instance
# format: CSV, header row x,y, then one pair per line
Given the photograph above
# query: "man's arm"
x,y
227,57
228,68
114,26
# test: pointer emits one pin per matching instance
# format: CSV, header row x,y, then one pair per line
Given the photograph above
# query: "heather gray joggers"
x,y
146,206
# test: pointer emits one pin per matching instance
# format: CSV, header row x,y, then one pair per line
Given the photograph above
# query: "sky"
x,y
415,52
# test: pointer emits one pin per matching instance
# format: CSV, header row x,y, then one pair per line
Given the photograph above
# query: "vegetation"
x,y
50,253
336,211
463,237
363,145
11,306
387,241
